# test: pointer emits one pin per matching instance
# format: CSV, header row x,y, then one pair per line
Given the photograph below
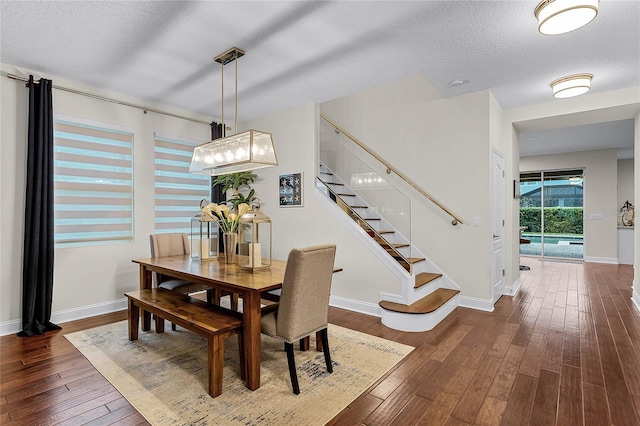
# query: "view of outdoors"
x,y
551,213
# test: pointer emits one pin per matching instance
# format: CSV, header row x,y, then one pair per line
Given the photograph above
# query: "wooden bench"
x,y
211,322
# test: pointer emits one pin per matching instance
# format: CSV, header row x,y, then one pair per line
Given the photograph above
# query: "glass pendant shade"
x,y
561,16
571,85
241,152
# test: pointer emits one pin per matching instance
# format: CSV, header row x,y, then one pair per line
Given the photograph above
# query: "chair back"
x,y
172,244
304,301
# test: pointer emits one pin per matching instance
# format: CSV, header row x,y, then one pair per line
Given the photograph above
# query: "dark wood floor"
x,y
565,350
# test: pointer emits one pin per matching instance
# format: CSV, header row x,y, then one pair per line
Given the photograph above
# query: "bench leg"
x,y
216,363
134,320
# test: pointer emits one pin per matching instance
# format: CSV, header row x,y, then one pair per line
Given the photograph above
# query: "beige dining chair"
x,y
304,303
174,244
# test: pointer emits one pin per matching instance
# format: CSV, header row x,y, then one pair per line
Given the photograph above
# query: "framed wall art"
x,y
290,190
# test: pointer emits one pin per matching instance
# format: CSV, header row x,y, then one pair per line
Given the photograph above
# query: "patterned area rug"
x,y
164,376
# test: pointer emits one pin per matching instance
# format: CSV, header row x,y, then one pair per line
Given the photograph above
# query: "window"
x,y
177,192
93,182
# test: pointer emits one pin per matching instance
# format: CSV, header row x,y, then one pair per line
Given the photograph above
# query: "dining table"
x,y
218,274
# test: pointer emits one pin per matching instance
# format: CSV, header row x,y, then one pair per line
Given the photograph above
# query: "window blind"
x,y
93,182
177,192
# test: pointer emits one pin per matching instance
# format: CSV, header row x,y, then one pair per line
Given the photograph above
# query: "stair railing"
x,y
390,169
403,260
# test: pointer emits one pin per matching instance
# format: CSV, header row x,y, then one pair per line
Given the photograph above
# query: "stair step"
x,y
386,232
372,218
326,173
425,305
388,246
359,207
347,195
335,183
425,278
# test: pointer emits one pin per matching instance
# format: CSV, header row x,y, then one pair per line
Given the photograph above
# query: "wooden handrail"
x,y
390,169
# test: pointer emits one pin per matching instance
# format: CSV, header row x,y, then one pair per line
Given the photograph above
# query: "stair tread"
x,y
425,305
425,278
371,218
347,195
335,183
386,232
397,245
359,207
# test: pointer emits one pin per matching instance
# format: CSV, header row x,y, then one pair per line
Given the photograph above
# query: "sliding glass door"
x,y
551,213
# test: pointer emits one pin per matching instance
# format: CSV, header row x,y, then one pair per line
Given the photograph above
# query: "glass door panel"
x,y
531,214
563,214
551,213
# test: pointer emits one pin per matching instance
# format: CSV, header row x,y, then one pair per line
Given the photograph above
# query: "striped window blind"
x,y
177,192
93,175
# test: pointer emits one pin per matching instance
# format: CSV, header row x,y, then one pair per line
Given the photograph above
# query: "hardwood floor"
x,y
565,350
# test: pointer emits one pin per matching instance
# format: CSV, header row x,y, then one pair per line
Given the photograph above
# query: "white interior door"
x,y
498,207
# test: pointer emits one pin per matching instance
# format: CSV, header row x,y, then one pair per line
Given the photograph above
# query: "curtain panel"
x,y
37,267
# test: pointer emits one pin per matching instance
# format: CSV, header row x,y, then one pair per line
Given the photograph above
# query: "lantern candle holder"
x,y
204,238
254,245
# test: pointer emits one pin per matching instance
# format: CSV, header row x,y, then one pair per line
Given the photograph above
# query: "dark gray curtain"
x,y
217,196
37,266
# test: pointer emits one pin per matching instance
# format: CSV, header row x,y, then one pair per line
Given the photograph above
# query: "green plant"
x,y
237,182
557,220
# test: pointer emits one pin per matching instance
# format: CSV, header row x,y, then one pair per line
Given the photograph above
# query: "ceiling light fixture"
x,y
571,85
249,150
562,16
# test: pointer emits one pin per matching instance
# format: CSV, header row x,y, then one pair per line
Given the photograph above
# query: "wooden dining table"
x,y
219,275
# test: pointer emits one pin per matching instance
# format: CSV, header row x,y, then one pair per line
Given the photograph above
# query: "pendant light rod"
x,y
223,59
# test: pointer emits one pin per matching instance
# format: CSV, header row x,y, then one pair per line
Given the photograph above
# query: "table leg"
x,y
251,318
146,281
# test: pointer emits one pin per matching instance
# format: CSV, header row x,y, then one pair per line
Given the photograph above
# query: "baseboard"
x,y
60,317
635,296
512,290
476,303
367,308
610,260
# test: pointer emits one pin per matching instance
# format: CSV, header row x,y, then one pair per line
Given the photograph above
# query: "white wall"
x,y
600,196
294,133
87,279
636,243
625,182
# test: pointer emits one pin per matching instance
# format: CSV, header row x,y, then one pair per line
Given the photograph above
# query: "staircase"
x,y
426,296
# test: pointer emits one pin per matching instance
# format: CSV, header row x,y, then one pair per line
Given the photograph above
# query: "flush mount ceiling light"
x,y
249,150
562,16
571,85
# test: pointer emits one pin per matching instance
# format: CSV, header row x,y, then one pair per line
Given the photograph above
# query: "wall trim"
x,y
635,296
367,308
513,289
476,303
60,317
610,260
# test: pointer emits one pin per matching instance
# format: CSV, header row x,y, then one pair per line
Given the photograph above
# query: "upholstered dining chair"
x,y
174,244
304,303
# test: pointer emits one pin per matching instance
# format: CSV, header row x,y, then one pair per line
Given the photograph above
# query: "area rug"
x,y
164,376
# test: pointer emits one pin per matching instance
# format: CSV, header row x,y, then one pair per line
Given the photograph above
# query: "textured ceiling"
x,y
310,51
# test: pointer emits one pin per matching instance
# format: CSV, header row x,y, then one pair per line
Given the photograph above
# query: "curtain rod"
x,y
115,101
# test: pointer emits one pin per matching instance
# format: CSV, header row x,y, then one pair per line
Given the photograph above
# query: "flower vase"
x,y
230,241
